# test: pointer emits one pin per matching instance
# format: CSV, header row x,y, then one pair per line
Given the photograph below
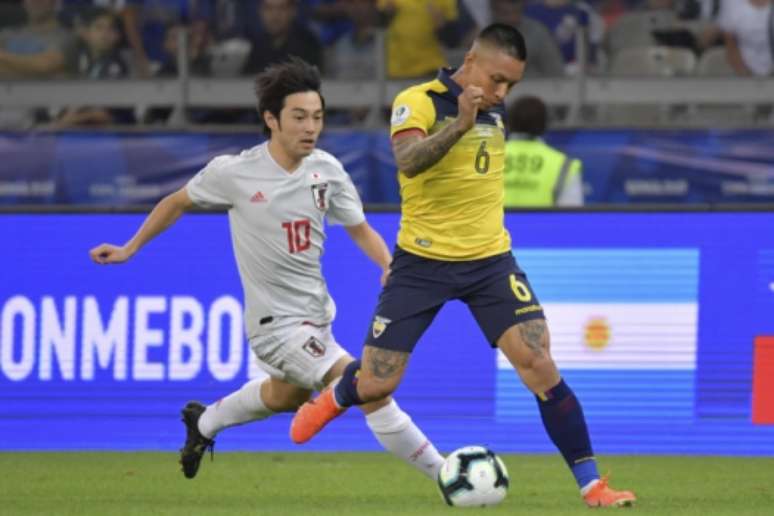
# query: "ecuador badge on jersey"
x,y
380,324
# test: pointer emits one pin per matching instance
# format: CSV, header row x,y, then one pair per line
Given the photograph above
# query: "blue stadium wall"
x,y
654,318
620,166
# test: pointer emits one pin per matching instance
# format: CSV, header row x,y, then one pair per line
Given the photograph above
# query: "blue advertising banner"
x,y
620,166
653,319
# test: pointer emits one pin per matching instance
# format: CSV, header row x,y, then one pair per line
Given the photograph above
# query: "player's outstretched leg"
x,y
527,346
195,443
313,416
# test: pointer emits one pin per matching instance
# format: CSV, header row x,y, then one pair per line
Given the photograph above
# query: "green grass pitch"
x,y
361,484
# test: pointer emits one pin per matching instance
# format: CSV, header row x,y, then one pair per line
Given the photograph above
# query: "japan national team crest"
x,y
380,324
314,347
319,192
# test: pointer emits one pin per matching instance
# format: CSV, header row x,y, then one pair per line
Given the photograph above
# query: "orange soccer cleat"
x,y
602,495
313,416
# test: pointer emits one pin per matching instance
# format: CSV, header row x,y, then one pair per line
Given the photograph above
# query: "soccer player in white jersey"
x,y
277,195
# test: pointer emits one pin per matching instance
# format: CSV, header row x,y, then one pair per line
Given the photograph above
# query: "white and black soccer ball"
x,y
473,476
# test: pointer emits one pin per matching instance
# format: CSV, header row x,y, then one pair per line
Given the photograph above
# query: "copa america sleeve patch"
x,y
400,114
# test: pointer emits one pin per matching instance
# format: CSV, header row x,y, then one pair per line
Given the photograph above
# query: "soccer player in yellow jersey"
x,y
448,139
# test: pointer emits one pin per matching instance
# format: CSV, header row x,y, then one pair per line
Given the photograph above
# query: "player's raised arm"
x,y
415,152
163,215
373,245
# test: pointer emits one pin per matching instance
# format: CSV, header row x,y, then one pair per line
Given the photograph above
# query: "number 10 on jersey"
x,y
299,235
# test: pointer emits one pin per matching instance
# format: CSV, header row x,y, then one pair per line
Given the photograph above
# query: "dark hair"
x,y
528,115
279,80
506,38
91,14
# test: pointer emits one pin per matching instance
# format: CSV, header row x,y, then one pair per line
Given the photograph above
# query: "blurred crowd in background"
x,y
114,39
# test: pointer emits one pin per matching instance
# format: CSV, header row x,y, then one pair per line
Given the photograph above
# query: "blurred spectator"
x,y
11,13
352,55
282,35
233,19
536,174
565,19
543,55
698,9
146,23
34,50
479,11
331,18
72,12
610,10
198,63
748,30
95,55
417,32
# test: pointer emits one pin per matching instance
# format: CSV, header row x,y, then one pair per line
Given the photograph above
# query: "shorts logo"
x,y
318,194
314,347
380,324
400,115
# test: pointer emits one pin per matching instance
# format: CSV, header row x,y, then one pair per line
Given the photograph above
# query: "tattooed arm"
x,y
414,152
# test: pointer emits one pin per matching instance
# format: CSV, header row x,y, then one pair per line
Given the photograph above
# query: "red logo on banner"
x,y
763,381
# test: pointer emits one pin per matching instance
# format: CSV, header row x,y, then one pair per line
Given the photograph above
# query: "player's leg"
x,y
281,354
510,315
415,291
256,400
394,429
527,347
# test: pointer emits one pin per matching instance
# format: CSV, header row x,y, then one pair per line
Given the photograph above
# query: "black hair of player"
x,y
528,115
506,38
279,80
90,15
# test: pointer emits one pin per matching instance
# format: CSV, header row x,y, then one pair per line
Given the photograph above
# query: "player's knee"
x,y
284,400
370,390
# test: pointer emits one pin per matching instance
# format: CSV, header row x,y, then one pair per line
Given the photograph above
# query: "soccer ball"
x,y
473,476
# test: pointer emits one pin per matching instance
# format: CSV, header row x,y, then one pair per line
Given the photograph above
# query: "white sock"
x,y
237,408
399,435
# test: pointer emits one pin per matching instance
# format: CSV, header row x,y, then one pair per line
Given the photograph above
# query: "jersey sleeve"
x,y
346,207
412,109
208,188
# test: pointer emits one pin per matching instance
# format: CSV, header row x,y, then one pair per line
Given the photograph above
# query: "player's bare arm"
x,y
415,152
373,245
163,215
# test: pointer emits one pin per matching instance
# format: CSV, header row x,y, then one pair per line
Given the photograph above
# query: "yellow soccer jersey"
x,y
454,210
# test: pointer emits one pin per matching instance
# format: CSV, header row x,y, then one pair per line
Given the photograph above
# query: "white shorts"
x,y
300,354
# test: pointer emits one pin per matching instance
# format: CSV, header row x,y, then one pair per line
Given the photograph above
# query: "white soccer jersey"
x,y
278,229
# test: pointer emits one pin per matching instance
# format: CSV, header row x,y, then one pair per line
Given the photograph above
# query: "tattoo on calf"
x,y
532,335
385,363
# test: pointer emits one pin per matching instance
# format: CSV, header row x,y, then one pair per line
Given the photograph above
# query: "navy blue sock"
x,y
563,419
346,390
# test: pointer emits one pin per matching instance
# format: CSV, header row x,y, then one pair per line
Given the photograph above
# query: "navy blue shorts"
x,y
495,289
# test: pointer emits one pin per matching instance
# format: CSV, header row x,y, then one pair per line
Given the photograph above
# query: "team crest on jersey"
x,y
314,347
400,114
380,324
319,192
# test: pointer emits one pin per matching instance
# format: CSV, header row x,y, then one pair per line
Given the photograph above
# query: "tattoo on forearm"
x,y
415,155
385,363
532,335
